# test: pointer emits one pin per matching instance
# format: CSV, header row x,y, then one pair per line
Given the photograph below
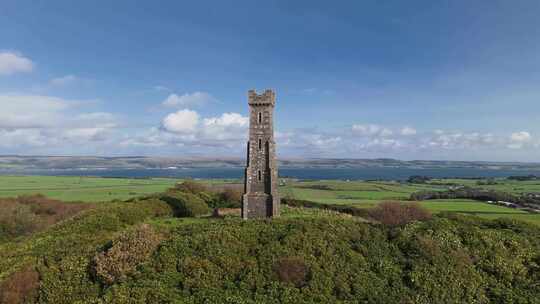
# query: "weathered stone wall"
x,y
261,198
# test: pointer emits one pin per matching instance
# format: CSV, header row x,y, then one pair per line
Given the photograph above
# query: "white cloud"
x,y
519,139
522,136
188,100
63,81
227,120
11,63
407,131
371,130
183,121
30,122
29,111
21,138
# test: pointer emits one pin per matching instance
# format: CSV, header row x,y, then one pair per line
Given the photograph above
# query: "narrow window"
x,y
260,144
259,175
260,117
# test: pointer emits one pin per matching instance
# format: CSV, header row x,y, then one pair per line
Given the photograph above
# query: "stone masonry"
x,y
261,198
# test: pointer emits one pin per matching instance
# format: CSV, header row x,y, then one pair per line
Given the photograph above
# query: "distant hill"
x,y
16,162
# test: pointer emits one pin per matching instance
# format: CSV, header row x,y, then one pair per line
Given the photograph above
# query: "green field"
x,y
504,185
361,194
88,189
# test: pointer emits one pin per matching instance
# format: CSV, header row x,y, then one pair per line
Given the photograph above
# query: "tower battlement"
x,y
268,97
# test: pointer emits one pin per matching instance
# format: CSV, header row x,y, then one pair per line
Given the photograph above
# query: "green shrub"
x,y
190,186
230,197
126,252
396,213
186,204
16,220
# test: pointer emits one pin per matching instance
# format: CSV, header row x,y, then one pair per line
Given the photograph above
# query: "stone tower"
x,y
261,197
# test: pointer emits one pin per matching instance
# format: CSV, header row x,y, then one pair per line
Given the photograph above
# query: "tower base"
x,y
258,205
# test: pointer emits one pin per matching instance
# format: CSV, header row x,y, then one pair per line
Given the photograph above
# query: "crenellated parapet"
x,y
268,97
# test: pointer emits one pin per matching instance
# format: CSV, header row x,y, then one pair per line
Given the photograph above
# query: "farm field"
x,y
504,185
360,194
88,189
365,194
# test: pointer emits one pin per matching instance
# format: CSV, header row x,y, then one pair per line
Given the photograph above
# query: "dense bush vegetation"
x,y
126,252
114,254
448,259
191,186
62,255
222,197
25,215
396,213
185,204
230,198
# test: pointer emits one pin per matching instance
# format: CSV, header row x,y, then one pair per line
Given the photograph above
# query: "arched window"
x,y
260,144
260,117
259,177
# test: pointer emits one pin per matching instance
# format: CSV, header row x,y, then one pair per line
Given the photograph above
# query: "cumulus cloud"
x,y
519,139
186,129
12,62
188,99
186,126
183,121
227,126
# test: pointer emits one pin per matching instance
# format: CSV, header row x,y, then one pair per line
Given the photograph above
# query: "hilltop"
x,y
164,248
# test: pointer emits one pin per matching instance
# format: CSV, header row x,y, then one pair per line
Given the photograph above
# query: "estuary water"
x,y
300,173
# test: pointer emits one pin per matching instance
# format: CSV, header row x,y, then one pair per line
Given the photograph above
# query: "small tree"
x,y
191,186
396,213
186,204
232,197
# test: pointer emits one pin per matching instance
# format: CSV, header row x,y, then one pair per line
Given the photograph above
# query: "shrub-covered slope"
x,y
445,260
137,252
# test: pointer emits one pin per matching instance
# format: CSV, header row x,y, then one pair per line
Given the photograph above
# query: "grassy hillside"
x,y
137,252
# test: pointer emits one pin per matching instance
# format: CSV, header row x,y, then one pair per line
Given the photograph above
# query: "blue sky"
x,y
452,80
